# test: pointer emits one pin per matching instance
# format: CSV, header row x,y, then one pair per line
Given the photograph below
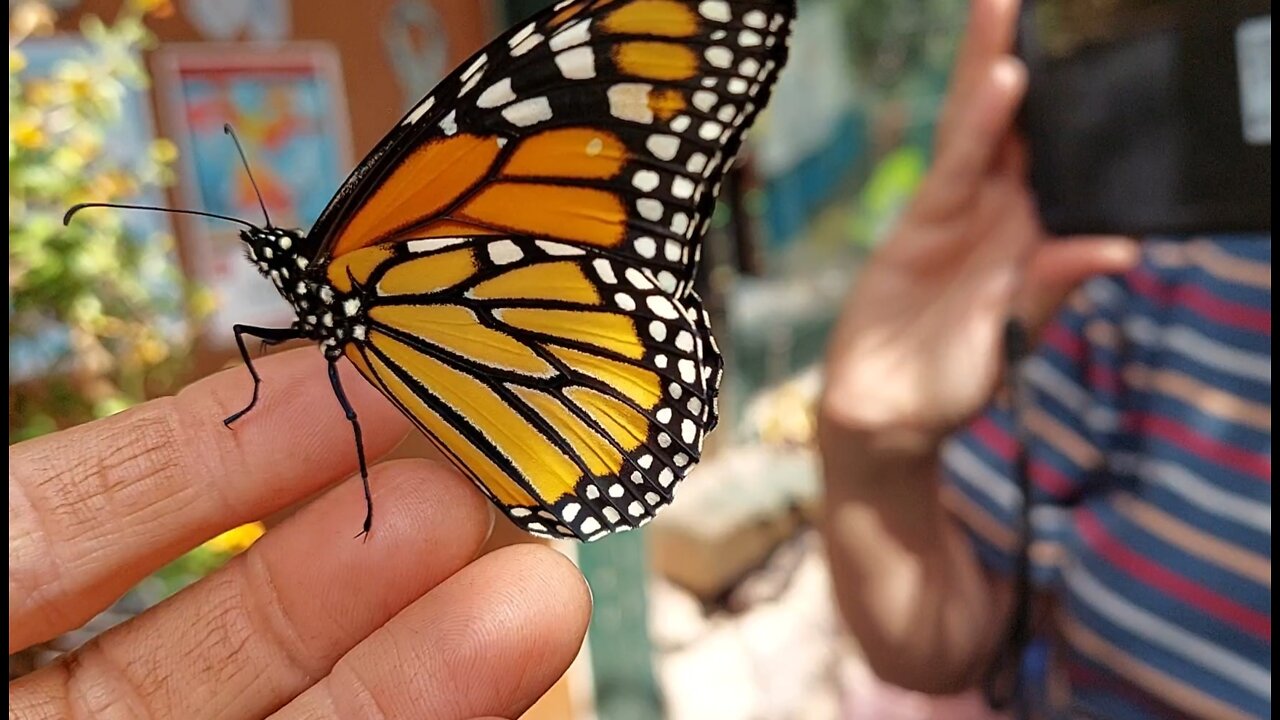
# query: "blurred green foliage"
x,y
100,307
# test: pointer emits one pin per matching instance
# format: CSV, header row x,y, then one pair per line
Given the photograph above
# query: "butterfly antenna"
x,y
66,219
226,128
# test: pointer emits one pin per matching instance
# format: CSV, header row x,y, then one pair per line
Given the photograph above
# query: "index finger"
x,y
988,34
94,509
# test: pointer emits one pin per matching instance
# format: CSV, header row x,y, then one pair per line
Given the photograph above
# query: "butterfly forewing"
x,y
604,124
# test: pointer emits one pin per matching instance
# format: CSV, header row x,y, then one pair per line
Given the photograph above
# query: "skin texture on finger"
x,y
94,509
489,640
1060,266
252,636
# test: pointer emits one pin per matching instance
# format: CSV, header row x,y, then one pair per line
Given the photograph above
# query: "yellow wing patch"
x,y
427,274
653,17
457,330
562,280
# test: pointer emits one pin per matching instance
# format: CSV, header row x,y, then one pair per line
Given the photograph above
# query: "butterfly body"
x,y
513,264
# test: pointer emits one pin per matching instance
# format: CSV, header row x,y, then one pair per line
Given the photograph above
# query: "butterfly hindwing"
x,y
573,389
605,124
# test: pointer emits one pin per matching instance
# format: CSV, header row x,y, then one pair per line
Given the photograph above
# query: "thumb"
x,y
1059,266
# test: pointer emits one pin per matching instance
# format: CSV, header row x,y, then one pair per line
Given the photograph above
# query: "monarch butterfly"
x,y
512,264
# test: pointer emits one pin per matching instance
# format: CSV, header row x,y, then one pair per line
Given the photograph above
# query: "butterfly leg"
x,y
268,336
355,426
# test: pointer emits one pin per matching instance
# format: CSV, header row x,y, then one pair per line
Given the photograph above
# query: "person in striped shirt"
x,y
1149,448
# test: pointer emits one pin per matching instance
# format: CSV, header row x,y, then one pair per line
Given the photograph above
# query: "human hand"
x,y
308,622
917,349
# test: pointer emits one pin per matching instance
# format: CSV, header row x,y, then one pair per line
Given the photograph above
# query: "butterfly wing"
x,y
603,124
564,381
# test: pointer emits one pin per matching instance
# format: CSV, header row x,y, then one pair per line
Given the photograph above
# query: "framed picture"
x,y
287,106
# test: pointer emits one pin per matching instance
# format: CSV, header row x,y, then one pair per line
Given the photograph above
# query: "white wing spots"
x,y
652,498
682,187
688,431
749,38
658,331
680,223
663,415
646,246
528,112
684,341
755,18
351,306
497,94
577,64
422,109
429,244
645,461
777,21
710,130
715,10
719,35
285,242
688,372
630,101
504,252
719,56
662,307
616,490
589,525
704,100
555,248
666,477
727,113
749,67
663,147
696,163
449,123
302,263
736,85
675,390
604,269
664,440
358,332
527,30
593,492
660,361
680,123
680,459
638,280
667,281
520,512
624,301
695,406
645,180
570,512
611,515
326,294
301,289
671,251
469,85
635,509
649,209
474,67
572,34
527,44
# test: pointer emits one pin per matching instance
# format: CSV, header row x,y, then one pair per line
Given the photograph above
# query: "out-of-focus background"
x,y
721,608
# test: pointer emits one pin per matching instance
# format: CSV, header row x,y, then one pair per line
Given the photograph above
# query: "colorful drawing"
x,y
287,106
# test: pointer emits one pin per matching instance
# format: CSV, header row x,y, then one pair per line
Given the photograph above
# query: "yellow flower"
x,y
26,134
164,151
236,540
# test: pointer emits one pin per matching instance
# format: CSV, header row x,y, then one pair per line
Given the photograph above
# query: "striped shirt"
x,y
1151,468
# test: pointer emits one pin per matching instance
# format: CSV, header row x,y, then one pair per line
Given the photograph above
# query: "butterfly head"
x,y
279,254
